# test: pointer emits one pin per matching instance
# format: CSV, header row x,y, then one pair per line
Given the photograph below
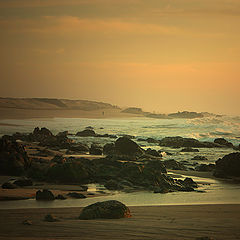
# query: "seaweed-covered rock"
x,y
44,195
108,209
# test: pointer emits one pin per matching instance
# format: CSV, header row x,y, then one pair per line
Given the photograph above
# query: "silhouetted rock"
x,y
62,134
190,183
113,185
13,158
108,209
223,142
153,152
173,164
23,182
228,166
86,133
60,197
189,149
198,157
44,195
109,149
76,195
126,146
95,150
205,167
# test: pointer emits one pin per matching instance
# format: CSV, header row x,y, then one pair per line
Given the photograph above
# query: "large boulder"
x,y
86,133
126,146
108,209
44,195
13,158
109,149
228,166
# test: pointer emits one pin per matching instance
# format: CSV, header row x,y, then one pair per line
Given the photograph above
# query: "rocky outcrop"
x,y
153,152
173,164
228,166
44,195
108,209
126,146
95,150
13,158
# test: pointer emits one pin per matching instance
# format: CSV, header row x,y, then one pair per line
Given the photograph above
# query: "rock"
x,y
126,146
178,142
50,218
58,159
60,197
205,167
199,158
76,195
8,185
173,164
189,149
228,166
23,182
188,182
27,222
79,148
108,209
44,195
62,134
95,150
13,158
109,149
113,185
152,140
43,131
86,133
223,142
153,152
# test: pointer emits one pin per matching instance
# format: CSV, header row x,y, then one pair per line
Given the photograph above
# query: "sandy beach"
x,y
163,222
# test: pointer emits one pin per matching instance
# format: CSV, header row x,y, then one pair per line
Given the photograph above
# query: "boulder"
x,y
86,133
113,185
44,195
62,134
173,164
95,150
126,146
13,158
109,149
228,166
153,152
188,182
78,148
108,209
205,167
60,197
23,182
43,132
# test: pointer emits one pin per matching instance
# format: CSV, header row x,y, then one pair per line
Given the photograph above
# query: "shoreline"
x,y
217,221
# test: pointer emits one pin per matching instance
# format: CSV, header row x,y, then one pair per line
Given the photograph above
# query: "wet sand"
x,y
162,222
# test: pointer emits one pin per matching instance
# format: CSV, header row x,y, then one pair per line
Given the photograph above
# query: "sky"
x,y
161,55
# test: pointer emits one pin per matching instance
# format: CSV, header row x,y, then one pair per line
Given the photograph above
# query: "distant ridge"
x,y
53,104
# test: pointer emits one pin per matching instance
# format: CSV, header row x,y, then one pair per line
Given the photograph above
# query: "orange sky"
x,y
162,55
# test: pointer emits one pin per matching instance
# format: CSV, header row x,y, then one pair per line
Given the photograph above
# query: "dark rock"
x,y
228,166
23,182
95,150
44,195
109,149
223,142
205,167
79,148
13,158
58,159
189,149
76,195
86,133
50,218
8,185
62,134
113,185
152,140
153,152
107,209
197,158
190,183
126,146
60,197
43,131
173,164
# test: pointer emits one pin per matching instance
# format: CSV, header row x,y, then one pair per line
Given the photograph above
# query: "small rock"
x,y
45,195
76,195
